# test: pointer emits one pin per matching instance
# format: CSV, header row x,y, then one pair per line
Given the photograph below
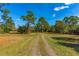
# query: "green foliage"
x,y
43,25
71,23
52,28
77,31
6,29
22,29
30,18
8,24
37,27
59,26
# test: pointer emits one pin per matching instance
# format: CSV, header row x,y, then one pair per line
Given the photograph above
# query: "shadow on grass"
x,y
64,41
71,45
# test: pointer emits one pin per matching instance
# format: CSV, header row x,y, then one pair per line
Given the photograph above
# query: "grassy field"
x,y
41,44
64,45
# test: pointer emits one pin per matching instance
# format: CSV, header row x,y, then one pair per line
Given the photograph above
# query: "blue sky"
x,y
50,11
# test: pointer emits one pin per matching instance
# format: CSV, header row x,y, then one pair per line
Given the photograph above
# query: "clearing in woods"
x,y
39,44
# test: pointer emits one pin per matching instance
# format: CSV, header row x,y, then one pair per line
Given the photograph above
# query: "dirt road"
x,y
27,45
41,47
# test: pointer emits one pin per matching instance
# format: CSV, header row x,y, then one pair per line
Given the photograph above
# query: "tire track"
x,y
49,50
35,50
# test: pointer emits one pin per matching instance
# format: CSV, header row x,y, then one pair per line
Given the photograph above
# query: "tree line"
x,y
68,25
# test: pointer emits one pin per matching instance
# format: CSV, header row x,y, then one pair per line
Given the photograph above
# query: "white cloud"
x,y
60,8
54,15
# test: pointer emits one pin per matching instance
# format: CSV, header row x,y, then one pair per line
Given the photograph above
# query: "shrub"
x,y
22,29
77,31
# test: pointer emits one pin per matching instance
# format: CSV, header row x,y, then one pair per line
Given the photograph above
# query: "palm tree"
x,y
30,18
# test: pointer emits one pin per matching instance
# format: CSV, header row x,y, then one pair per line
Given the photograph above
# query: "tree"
x,y
30,18
21,29
52,28
7,21
2,6
43,24
77,31
59,26
5,15
37,27
10,24
71,23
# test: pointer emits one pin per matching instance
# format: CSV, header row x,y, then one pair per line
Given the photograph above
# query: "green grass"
x,y
60,48
22,44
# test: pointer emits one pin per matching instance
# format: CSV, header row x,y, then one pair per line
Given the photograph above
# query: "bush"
x,y
22,29
5,28
77,31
